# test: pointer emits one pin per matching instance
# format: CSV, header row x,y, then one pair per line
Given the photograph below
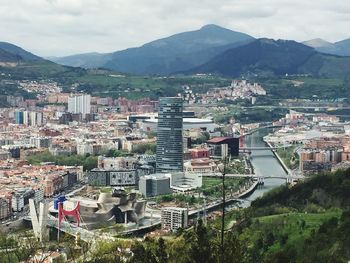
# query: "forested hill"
x,y
309,222
268,57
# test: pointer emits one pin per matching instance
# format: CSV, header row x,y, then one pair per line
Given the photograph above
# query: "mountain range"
x,y
211,49
340,48
164,56
13,53
269,57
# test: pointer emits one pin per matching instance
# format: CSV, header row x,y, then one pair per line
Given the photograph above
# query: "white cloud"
x,y
62,27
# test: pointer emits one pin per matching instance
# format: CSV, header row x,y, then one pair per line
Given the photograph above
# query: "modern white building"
x,y
85,148
79,104
173,218
17,202
33,118
184,182
41,142
155,184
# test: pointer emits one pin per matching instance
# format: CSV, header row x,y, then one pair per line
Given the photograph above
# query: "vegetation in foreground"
x,y
309,222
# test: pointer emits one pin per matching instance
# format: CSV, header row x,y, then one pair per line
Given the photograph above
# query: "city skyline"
x,y
61,27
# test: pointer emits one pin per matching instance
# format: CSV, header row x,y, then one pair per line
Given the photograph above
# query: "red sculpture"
x,y
62,213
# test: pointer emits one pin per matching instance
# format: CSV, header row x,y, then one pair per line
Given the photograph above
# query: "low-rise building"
x,y
41,142
101,177
203,166
184,182
116,163
155,184
199,153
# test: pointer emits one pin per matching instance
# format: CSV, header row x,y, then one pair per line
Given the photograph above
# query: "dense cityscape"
x,y
205,146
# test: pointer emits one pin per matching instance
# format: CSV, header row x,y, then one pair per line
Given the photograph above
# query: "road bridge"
x,y
289,178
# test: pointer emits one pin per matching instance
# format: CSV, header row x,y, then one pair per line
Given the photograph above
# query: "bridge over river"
x,y
259,178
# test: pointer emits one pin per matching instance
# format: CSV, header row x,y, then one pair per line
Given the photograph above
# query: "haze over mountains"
x,y
211,49
340,48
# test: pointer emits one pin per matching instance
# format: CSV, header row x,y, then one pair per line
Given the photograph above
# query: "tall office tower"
x,y
169,135
79,104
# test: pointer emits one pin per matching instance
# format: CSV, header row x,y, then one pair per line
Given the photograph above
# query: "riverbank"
x,y
228,201
274,152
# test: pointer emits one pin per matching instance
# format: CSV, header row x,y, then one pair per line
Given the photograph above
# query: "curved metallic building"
x,y
169,135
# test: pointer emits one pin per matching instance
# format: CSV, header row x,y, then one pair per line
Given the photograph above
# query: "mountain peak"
x,y
211,26
317,43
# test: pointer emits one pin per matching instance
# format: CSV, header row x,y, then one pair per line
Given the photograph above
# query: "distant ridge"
x,y
317,43
266,57
18,52
175,53
340,48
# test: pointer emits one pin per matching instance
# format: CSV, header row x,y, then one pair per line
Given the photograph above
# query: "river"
x,y
264,163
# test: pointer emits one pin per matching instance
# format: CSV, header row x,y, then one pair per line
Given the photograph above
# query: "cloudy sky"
x,y
64,27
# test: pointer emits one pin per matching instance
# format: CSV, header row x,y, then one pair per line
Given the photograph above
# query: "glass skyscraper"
x,y
169,135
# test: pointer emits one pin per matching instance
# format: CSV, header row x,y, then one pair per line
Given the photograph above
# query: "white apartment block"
x,y
17,202
79,104
174,218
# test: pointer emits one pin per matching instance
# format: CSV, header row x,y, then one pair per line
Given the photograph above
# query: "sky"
x,y
65,27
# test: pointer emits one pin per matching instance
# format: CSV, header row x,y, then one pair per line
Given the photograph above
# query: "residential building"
x,y
19,117
80,103
173,218
17,202
41,142
4,208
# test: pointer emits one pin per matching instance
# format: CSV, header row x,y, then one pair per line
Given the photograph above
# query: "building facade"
x,y
4,208
174,218
169,135
79,104
101,177
153,185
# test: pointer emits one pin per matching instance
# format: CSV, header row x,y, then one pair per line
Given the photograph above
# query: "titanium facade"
x,y
169,135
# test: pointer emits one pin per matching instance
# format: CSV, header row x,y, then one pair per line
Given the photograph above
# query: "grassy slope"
x,y
301,223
